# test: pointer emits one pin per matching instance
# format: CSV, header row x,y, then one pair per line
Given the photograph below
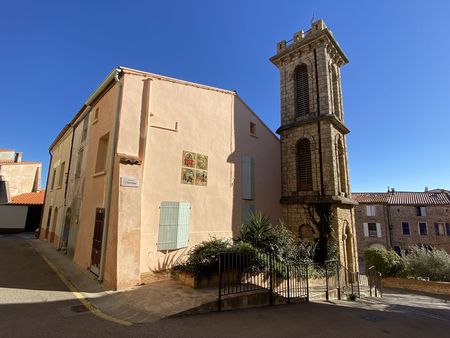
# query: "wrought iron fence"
x,y
374,279
247,272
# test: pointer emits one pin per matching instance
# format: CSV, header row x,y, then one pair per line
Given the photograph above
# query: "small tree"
x,y
433,264
385,261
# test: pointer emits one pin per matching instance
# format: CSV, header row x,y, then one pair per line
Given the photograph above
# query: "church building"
x,y
150,166
316,200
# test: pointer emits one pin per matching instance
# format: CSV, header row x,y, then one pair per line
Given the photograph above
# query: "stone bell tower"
x,y
315,182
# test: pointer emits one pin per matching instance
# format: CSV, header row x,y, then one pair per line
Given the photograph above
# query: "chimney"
x,y
18,158
426,189
392,190
4,191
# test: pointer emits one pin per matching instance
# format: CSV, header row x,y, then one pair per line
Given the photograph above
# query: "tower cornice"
x,y
318,34
313,119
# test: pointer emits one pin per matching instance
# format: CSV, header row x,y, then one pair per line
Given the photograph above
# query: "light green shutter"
x,y
173,225
247,209
248,179
183,225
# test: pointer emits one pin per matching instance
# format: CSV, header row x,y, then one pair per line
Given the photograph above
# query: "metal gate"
x,y
247,272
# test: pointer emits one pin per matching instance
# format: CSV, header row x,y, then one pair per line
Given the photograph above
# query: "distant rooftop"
x,y
432,197
31,198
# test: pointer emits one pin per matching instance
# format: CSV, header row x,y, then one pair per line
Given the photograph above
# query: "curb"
x,y
79,294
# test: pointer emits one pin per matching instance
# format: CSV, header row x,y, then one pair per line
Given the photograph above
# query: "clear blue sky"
x,y
396,87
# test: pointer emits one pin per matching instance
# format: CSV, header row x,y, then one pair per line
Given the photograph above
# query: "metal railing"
x,y
374,278
249,272
252,272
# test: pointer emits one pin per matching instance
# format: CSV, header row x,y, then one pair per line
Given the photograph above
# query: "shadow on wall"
x,y
256,186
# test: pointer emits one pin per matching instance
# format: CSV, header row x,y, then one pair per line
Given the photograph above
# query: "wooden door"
x,y
97,240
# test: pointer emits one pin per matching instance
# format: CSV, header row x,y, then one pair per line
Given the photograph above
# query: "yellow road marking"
x,y
80,295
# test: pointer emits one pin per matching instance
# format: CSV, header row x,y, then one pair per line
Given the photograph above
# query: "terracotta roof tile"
x,y
403,197
31,198
370,197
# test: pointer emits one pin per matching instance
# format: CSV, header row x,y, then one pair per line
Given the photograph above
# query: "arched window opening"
x,y
336,94
342,171
304,165
301,90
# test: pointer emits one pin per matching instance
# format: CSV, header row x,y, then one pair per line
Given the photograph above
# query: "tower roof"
x,y
317,31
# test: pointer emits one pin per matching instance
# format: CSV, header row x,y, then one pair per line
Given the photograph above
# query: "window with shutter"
x,y
371,210
248,178
304,165
247,210
372,229
301,90
447,228
173,225
366,229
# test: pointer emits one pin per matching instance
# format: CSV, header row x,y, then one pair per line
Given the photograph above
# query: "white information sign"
x,y
132,182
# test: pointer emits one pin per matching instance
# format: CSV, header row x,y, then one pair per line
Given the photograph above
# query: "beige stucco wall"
x,y
94,188
22,177
13,216
210,122
52,228
76,181
178,116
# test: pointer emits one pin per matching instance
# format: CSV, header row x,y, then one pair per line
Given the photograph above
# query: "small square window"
x,y
421,211
252,128
423,228
371,210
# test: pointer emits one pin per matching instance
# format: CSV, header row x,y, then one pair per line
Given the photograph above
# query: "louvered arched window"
x,y
304,165
336,95
301,90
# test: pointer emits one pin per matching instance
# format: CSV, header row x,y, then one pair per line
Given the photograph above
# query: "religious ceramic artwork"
x,y
201,177
188,159
202,162
187,176
194,168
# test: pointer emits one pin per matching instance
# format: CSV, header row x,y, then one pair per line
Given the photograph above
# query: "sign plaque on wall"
x,y
132,182
194,169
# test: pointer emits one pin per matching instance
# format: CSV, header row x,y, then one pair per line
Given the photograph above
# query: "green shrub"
x,y
272,239
203,259
424,263
387,262
257,230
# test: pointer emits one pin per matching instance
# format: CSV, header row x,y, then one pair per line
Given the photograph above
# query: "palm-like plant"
x,y
257,230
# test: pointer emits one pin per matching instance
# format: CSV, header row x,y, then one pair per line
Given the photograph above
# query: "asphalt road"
x,y
35,303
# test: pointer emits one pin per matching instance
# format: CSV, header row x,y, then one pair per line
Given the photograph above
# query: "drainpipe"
x,y
109,177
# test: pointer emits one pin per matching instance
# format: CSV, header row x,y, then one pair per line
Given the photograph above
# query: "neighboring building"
x,y
396,220
55,197
313,139
17,176
22,213
151,166
21,199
